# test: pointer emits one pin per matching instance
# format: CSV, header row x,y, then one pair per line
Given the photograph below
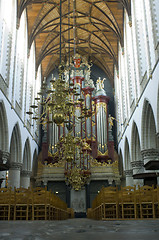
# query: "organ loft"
x,y
78,155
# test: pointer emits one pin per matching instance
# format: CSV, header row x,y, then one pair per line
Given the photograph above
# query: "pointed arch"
x,y
158,111
121,168
16,145
27,156
127,155
135,144
148,127
3,128
35,163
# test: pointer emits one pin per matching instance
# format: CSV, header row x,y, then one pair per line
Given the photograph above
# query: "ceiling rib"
x,y
99,30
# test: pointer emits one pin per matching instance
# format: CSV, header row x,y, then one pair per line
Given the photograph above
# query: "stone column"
x,y
88,195
32,182
151,154
138,167
25,178
157,180
14,175
4,162
129,177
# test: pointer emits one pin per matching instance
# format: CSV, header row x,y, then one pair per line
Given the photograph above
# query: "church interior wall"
x,y
144,87
18,88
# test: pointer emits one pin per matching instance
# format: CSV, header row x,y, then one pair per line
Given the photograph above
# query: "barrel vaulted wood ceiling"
x,y
98,30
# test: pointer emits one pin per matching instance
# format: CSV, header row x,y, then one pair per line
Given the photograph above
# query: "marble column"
x,y
25,178
14,175
138,167
129,177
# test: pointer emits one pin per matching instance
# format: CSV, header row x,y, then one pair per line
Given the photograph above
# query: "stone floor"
x,y
80,229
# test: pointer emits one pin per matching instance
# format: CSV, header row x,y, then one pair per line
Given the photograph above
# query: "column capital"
x,y
15,166
137,164
4,156
25,173
150,152
128,173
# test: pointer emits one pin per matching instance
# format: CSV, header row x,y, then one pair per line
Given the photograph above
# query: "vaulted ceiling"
x,y
92,27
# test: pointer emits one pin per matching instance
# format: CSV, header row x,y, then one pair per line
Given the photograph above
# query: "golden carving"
x,y
113,166
60,163
100,83
77,178
87,96
102,154
95,163
101,105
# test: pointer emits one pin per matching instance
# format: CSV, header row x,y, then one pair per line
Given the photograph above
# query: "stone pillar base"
x,y
129,178
14,175
25,179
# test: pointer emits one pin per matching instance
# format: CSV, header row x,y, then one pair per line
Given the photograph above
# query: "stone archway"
x,y
3,128
121,168
149,137
158,119
150,152
128,169
137,161
15,158
34,168
26,167
4,154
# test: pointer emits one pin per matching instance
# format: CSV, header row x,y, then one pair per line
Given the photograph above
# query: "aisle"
x,y
80,229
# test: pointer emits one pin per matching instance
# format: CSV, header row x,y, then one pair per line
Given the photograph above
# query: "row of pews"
x,y
32,204
127,203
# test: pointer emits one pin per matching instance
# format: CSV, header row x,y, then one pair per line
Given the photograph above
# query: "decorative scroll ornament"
x,y
60,163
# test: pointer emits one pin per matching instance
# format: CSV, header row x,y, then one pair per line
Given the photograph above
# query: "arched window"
x,y
21,59
129,60
155,19
30,93
141,38
7,25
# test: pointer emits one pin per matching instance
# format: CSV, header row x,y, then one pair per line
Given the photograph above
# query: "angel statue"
x,y
110,121
100,83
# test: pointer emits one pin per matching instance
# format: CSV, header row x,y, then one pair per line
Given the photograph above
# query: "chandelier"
x,y
76,153
62,103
